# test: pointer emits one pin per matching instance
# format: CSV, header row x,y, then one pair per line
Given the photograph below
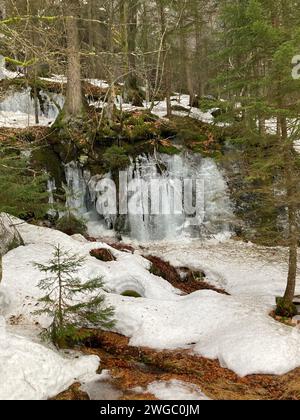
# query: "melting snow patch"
x,y
29,371
175,390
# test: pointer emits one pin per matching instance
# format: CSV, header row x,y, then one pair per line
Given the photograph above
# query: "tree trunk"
x,y
186,55
91,36
292,216
132,88
166,60
74,97
2,9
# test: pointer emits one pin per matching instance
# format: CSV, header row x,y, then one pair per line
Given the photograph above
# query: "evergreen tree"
x,y
70,303
22,190
259,40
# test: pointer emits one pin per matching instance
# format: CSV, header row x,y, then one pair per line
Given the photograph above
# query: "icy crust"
x,y
33,372
236,329
176,391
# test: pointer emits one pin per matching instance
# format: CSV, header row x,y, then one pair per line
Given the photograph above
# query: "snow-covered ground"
x,y
235,329
33,372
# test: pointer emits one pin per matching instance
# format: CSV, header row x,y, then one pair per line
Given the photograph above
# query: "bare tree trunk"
x,y
166,60
292,217
199,50
36,99
91,35
74,97
186,55
133,92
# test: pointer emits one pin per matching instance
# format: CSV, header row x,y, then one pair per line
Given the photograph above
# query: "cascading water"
x,y
156,188
166,175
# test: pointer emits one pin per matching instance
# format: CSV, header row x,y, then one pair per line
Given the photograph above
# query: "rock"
x,y
190,275
103,254
79,238
296,320
9,235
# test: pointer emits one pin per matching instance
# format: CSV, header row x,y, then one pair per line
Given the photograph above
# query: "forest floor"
x,y
136,367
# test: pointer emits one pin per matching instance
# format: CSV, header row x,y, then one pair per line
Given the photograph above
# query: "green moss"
x,y
168,150
46,158
71,225
286,310
131,293
115,158
143,131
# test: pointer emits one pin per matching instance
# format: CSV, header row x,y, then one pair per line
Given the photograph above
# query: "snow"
x,y
98,83
33,372
242,269
19,113
101,388
160,109
11,74
175,391
235,329
56,78
19,119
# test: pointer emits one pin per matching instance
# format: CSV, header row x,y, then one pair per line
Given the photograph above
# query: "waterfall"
x,y
76,188
158,187
166,175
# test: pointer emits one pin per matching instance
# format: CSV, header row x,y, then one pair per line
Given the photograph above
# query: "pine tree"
x,y
259,40
70,303
22,190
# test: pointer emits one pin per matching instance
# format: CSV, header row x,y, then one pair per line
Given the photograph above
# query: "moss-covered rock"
x,y
71,225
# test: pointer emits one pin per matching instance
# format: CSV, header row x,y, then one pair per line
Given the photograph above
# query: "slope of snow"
x,y
33,372
236,329
242,269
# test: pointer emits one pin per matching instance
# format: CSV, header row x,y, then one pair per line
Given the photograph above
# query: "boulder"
x,y
9,235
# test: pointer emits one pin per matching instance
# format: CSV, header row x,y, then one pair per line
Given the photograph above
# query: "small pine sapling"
x,y
73,305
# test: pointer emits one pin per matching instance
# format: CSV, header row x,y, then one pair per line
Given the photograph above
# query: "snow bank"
x,y
32,372
236,329
241,335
